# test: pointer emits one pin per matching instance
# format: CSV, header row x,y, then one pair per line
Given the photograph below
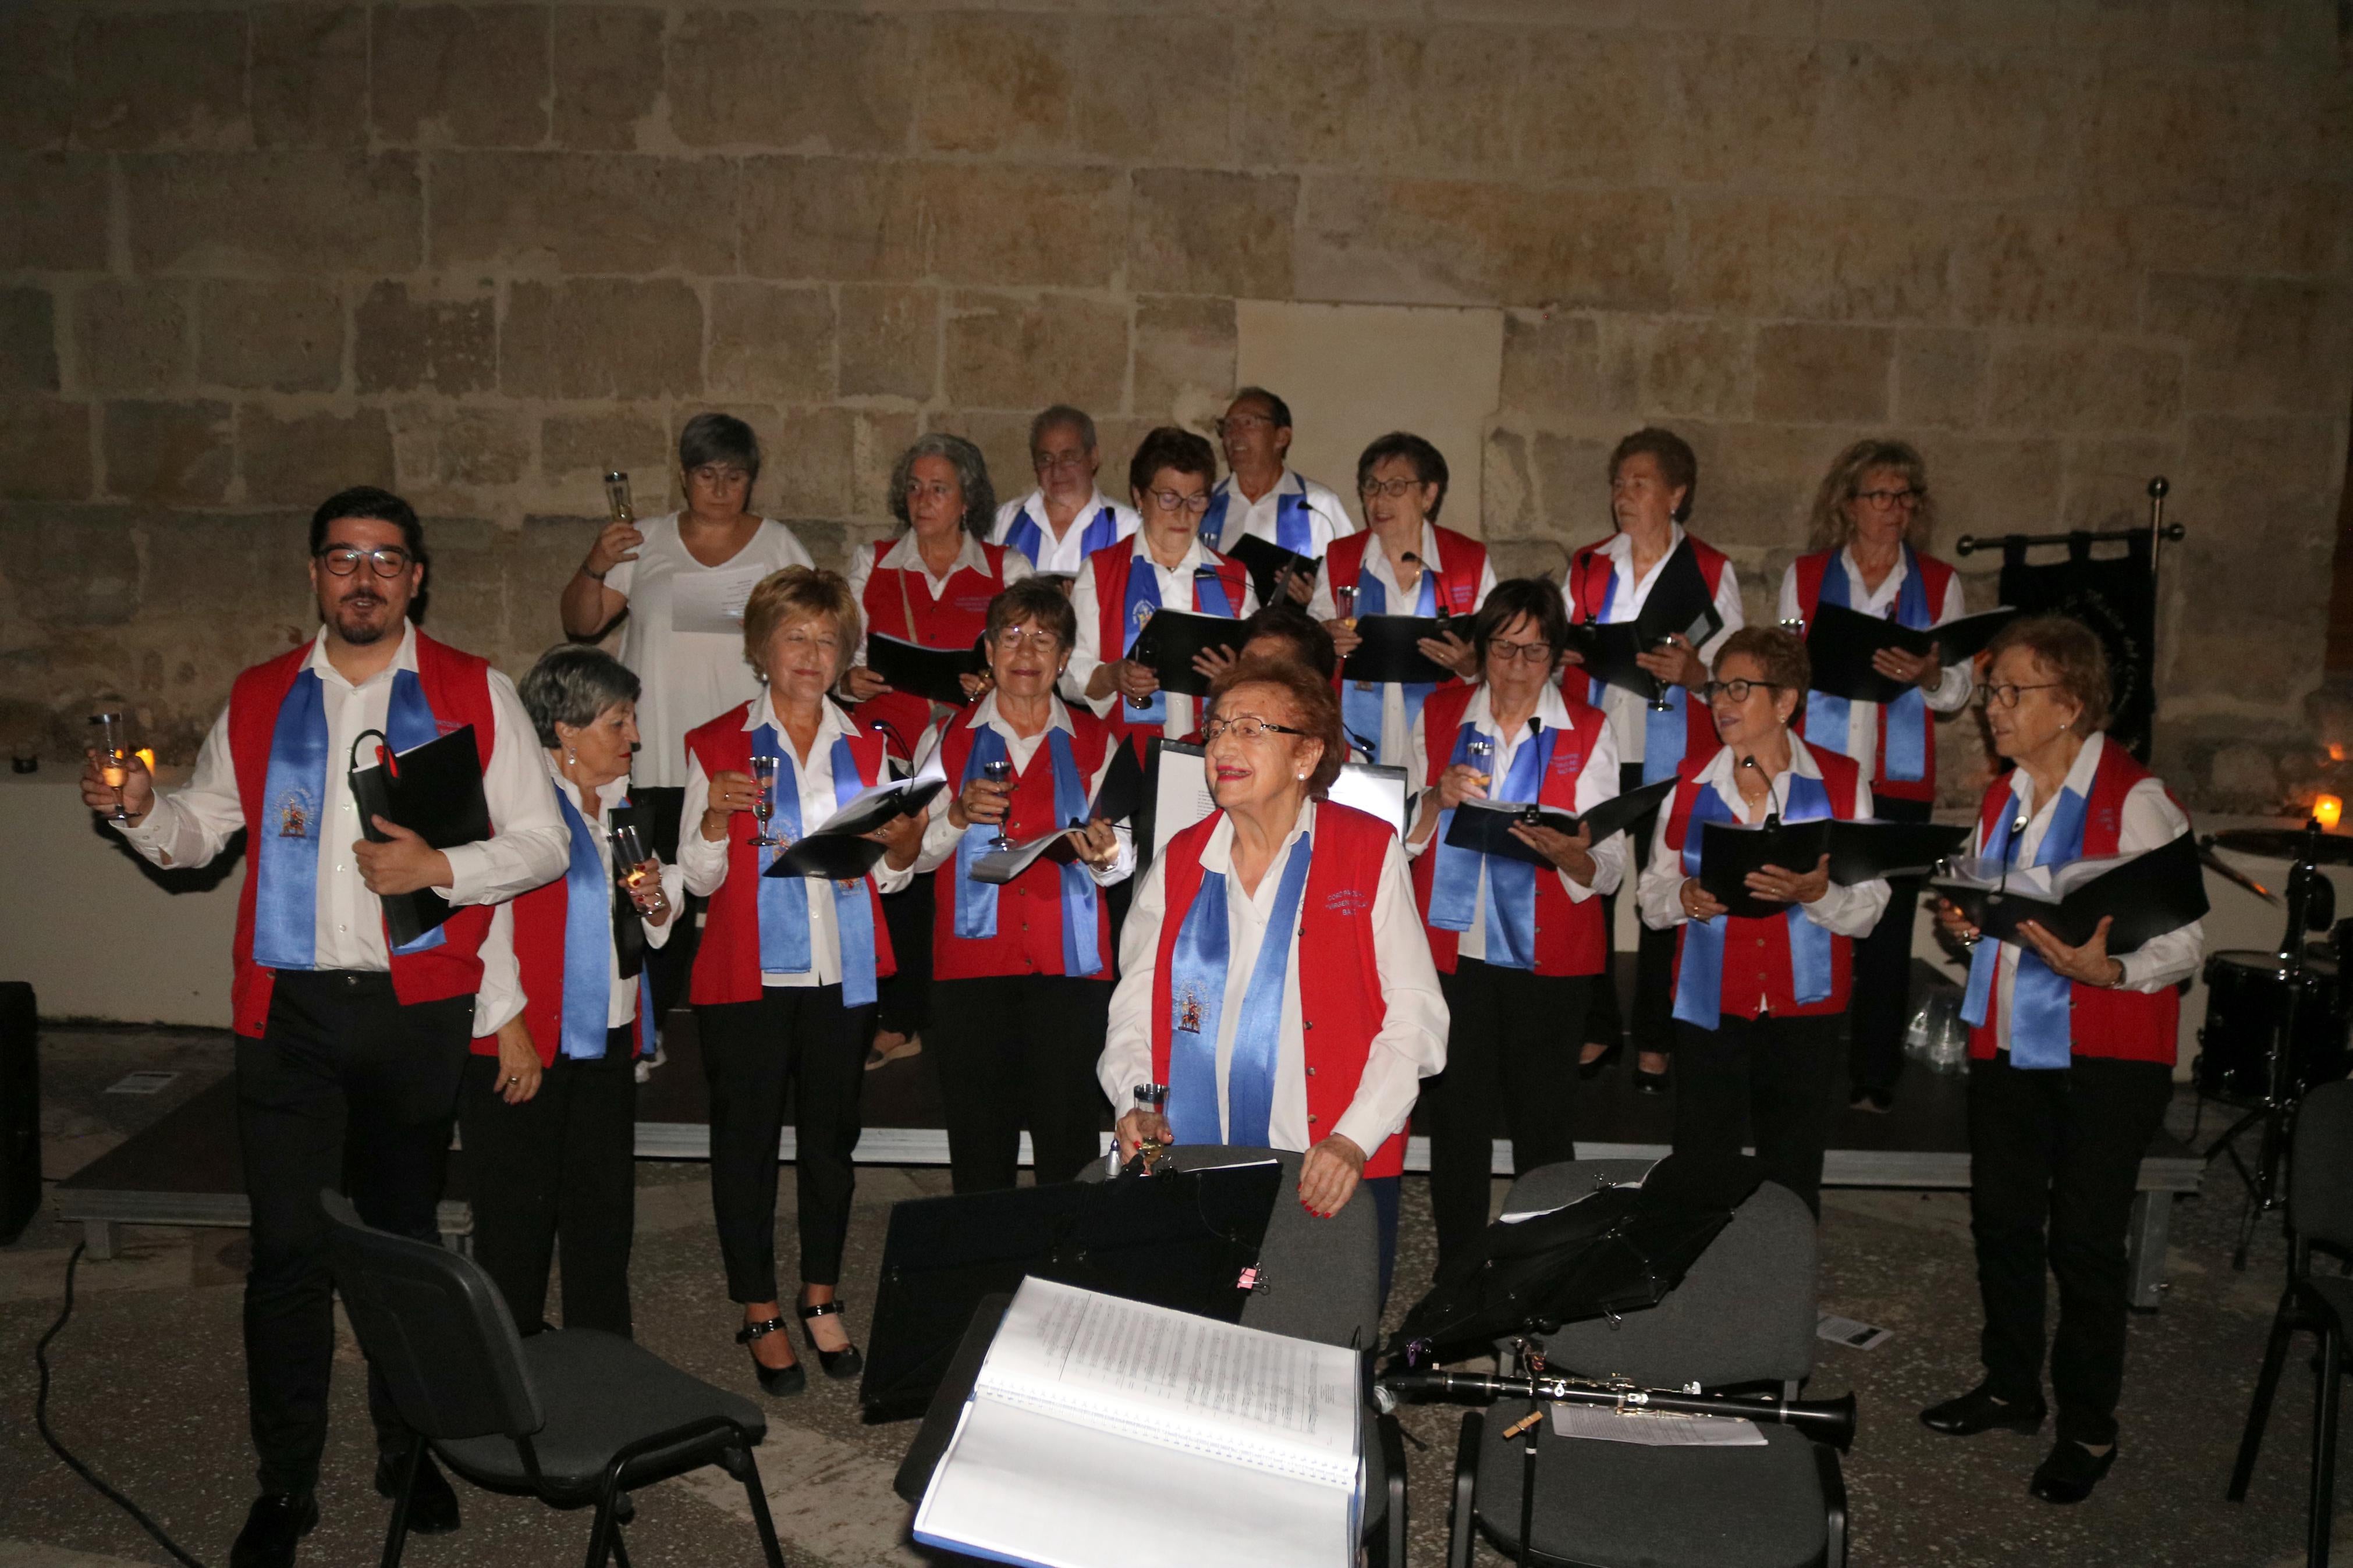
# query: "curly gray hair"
x,y
571,685
972,478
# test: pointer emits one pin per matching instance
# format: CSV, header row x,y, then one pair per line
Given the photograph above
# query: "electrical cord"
x,y
41,1420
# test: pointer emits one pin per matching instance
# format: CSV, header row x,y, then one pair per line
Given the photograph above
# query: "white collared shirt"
x,y
1952,692
907,557
1064,556
1411,1045
501,995
1394,738
1177,592
2150,821
1847,912
1596,785
1327,515
529,844
704,863
941,837
1628,712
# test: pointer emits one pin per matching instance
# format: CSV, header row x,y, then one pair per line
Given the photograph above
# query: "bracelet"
x,y
592,576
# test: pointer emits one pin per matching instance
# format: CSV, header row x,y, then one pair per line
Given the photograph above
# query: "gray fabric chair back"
x,y
1323,1276
2320,1178
436,1326
1745,1313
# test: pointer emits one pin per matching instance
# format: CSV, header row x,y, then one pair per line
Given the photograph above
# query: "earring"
x,y
570,755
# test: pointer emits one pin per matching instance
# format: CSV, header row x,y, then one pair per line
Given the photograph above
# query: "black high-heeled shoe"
x,y
837,1363
778,1381
1607,1059
1647,1082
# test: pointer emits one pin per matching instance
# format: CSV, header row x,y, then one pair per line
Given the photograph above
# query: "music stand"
x,y
1174,1238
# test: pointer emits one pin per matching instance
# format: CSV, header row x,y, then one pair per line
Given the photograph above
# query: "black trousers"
x,y
1762,1080
1510,1049
1015,1049
2053,1158
1654,954
347,1089
669,966
1882,974
796,1038
559,1170
905,998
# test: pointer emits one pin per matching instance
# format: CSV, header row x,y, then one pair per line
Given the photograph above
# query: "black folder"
x,y
1729,851
1170,639
1122,792
434,790
1268,562
932,672
1486,826
1679,605
838,849
1840,643
2148,894
1388,652
1178,1239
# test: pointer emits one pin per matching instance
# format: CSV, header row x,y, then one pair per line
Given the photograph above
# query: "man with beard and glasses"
x,y
349,1050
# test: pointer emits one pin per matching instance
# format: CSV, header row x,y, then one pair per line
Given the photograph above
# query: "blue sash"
x,y
1294,522
1025,534
1666,733
1197,1001
1510,884
975,907
1360,700
1143,598
2041,1032
1699,986
1907,716
294,801
783,900
587,940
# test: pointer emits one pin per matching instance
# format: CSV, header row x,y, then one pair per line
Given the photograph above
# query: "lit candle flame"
x,y
146,755
2326,810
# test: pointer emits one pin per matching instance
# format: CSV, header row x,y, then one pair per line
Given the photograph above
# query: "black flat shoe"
x,y
778,1381
1978,1411
432,1504
1607,1059
2071,1472
275,1523
837,1363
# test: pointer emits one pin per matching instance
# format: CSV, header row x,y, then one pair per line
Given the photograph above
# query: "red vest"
x,y
1462,566
1756,952
1110,566
456,686
1589,571
953,620
1028,938
2129,1026
539,931
727,963
1340,1000
1569,935
1936,577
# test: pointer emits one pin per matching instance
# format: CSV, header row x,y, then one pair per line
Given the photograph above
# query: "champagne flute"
x,y
617,505
1343,600
1478,751
114,757
637,869
1659,688
764,802
997,771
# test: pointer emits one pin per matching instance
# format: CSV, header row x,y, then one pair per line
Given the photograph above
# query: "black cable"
x,y
41,1420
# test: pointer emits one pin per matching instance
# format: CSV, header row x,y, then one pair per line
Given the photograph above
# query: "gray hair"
x,y
571,685
718,438
1057,417
972,478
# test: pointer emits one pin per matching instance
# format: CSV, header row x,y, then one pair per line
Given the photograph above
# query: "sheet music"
x,y
1375,790
712,601
1183,797
1654,1428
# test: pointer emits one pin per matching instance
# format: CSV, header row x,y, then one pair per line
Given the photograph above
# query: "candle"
x,y
146,755
2326,810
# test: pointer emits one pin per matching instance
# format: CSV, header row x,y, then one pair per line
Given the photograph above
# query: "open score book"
x,y
1105,1433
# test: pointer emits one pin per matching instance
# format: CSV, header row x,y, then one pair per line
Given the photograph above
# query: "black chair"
x,y
1744,1316
2320,1220
573,1417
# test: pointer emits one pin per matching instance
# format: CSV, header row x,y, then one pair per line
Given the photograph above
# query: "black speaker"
x,y
20,1111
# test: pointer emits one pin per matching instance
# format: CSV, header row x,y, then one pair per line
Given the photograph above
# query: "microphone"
x,y
1772,812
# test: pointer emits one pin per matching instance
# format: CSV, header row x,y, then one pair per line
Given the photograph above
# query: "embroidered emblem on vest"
x,y
1347,902
296,812
1188,1020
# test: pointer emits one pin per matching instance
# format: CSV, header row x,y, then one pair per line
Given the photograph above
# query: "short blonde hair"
x,y
2072,653
800,594
1829,525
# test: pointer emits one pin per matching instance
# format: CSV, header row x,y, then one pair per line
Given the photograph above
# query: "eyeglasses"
x,y
719,474
1249,726
1175,500
1390,487
1885,499
1235,423
2007,695
1737,690
1529,652
343,560
1044,461
1012,638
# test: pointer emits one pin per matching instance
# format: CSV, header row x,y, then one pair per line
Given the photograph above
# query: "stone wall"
x,y
252,253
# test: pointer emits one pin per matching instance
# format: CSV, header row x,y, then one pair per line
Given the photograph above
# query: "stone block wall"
x,y
479,252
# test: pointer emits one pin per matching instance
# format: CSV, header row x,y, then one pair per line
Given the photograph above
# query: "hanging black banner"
x,y
2116,597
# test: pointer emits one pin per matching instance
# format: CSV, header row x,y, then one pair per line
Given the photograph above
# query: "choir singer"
x,y
1217,998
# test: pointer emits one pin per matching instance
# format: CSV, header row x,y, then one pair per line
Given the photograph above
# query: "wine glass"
x,y
637,869
617,505
1660,702
764,802
1479,752
997,771
1343,600
114,757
